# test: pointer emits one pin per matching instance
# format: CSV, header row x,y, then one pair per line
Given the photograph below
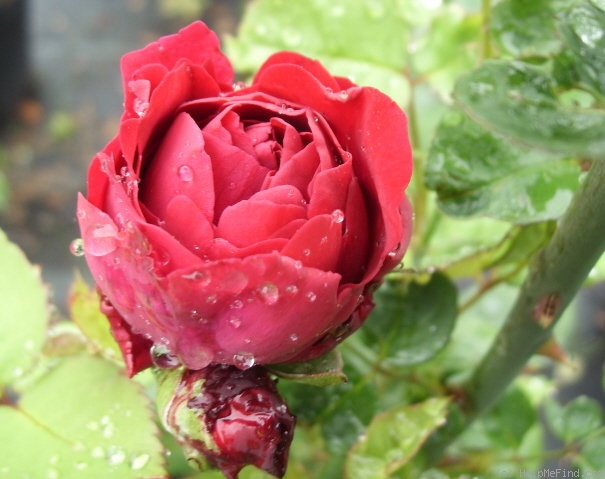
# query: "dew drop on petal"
x,y
101,239
244,360
185,173
311,296
294,337
338,216
76,247
292,289
235,322
269,293
237,304
306,252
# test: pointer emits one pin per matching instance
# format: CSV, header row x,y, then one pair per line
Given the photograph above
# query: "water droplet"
x,y
139,462
292,289
76,247
269,292
338,216
97,452
201,278
343,95
140,107
115,456
298,264
306,252
237,304
324,240
211,298
101,239
185,173
239,86
243,360
294,337
163,358
311,296
235,321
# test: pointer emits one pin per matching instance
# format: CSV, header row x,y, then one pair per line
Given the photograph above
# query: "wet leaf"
x,y
82,419
366,42
527,29
85,312
583,30
393,438
519,101
412,320
24,313
476,172
323,371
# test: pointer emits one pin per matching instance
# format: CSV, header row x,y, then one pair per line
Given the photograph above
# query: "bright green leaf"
x,y
82,419
365,41
23,313
393,438
475,172
323,371
519,101
527,29
85,312
412,321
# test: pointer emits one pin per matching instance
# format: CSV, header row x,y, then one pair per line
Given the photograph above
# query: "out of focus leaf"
x,y
366,41
393,438
583,30
475,172
527,29
592,454
24,313
510,419
519,101
82,419
323,371
514,250
84,311
576,419
412,321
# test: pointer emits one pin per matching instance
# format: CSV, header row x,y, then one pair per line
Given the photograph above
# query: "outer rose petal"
x,y
195,43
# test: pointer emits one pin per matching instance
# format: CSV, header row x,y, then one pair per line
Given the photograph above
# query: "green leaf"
x,y
366,42
513,251
592,453
85,313
475,172
393,438
583,30
24,313
575,420
510,419
519,101
412,321
323,371
527,29
82,419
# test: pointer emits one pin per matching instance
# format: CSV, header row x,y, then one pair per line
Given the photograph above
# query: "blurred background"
x,y
60,102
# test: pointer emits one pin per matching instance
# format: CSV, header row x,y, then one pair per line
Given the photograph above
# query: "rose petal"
x,y
251,221
317,243
196,43
188,224
180,167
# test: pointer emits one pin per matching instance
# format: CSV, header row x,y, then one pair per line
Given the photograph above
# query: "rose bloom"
x,y
242,225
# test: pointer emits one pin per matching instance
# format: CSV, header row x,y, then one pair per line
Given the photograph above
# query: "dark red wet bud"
x,y
228,418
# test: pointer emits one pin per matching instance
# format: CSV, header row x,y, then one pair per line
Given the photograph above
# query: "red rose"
x,y
243,225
